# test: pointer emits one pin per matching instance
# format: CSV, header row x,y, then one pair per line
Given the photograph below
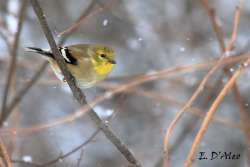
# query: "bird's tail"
x,y
40,51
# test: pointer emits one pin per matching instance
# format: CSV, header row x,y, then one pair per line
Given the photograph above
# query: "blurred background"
x,y
148,36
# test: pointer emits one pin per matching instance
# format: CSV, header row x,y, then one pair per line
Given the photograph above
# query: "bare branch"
x,y
23,91
60,157
222,94
77,91
17,99
12,66
4,157
169,72
187,106
236,92
73,150
80,19
215,25
210,115
85,15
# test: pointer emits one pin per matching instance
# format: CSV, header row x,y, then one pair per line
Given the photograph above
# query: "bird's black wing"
x,y
67,56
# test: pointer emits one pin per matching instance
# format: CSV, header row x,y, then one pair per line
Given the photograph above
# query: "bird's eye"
x,y
103,55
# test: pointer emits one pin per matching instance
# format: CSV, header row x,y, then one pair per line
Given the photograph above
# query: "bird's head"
x,y
103,58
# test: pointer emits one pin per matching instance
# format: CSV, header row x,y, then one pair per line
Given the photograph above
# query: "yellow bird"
x,y
88,63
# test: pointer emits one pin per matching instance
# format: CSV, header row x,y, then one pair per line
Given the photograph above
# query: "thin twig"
x,y
220,38
80,19
180,113
77,91
215,25
12,66
63,156
17,99
150,94
5,160
198,90
164,74
244,119
210,114
221,95
22,92
193,110
237,95
236,92
73,150
60,157
169,72
85,15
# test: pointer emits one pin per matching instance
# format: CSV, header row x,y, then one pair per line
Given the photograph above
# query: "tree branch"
x,y
229,86
22,92
17,99
77,93
4,157
60,157
12,66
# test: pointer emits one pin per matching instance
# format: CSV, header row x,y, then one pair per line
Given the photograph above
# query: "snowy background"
x,y
147,36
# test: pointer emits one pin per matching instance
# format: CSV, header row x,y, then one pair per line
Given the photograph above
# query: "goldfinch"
x,y
88,63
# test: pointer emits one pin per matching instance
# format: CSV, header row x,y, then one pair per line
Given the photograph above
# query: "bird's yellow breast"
x,y
103,68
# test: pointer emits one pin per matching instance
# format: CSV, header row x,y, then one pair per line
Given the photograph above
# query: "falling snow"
x,y
229,53
109,112
182,49
108,95
5,124
245,64
27,158
105,22
102,112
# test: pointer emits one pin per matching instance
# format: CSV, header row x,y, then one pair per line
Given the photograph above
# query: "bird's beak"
x,y
112,61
